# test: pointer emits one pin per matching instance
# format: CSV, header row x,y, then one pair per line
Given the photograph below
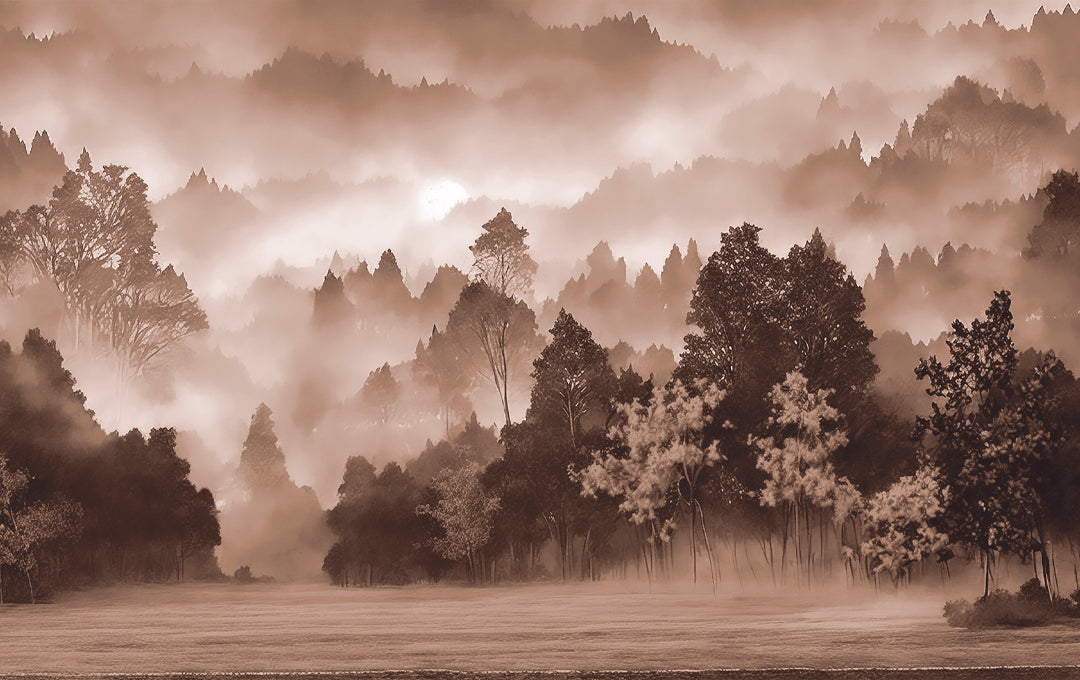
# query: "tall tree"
x,y
1058,235
150,318
990,438
572,377
501,257
262,462
495,332
95,243
736,308
822,320
442,366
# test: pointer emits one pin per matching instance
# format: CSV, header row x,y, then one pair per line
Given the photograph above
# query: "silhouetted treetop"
x,y
262,462
501,256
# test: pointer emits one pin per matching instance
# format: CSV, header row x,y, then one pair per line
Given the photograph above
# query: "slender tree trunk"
x,y
693,537
714,573
798,541
645,559
30,583
584,548
1045,550
986,579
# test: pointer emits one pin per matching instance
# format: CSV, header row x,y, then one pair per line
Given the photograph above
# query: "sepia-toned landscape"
x,y
417,338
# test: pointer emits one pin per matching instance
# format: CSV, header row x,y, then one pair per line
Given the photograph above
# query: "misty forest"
x,y
713,298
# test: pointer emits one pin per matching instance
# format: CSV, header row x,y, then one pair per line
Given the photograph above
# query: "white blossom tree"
x,y
797,457
900,524
664,450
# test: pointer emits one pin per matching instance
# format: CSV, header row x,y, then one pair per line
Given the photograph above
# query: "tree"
x,y
1058,235
495,332
501,257
442,366
991,438
199,530
375,523
797,459
389,285
736,308
26,529
901,525
152,317
465,511
664,450
262,462
95,243
380,393
331,305
823,306
572,377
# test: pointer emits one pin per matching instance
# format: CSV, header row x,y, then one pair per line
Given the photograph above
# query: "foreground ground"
x,y
281,628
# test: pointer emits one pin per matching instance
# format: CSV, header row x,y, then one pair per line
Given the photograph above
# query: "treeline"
x,y
1042,275
769,440
82,507
759,317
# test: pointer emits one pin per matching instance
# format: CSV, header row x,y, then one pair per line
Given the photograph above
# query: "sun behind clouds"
x,y
438,199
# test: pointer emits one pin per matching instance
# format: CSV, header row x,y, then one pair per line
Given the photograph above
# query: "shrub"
x,y
243,574
1033,592
1001,608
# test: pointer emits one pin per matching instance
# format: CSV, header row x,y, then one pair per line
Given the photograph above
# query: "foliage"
x,y
442,365
971,123
380,393
501,257
736,309
1058,234
25,530
901,523
797,458
465,512
573,378
495,332
991,436
822,323
664,446
376,526
95,243
1029,606
262,462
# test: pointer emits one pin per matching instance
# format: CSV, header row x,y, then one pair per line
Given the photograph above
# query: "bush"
x,y
1075,596
1029,607
1033,592
243,574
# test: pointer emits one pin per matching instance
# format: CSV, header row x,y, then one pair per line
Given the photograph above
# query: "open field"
x,y
283,628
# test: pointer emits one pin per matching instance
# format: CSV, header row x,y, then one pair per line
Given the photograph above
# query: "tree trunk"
x,y
584,549
713,571
986,579
693,537
30,583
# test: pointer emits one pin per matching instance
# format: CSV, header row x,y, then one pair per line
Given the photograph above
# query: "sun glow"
x,y
438,199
